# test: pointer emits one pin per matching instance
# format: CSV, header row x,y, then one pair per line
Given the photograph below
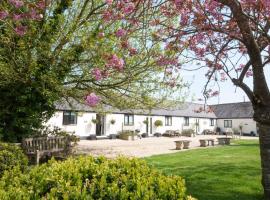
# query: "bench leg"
x,y
186,145
37,157
178,145
202,143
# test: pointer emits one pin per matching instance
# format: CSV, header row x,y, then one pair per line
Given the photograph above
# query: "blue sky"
x,y
228,92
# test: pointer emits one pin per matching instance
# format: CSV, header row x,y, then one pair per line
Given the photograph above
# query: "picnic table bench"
x,y
180,143
206,142
45,146
224,140
171,133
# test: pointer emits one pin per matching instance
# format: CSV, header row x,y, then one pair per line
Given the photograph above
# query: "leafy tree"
x,y
231,38
84,50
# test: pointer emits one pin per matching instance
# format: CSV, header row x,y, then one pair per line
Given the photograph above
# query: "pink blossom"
x,y
165,61
41,4
249,73
169,70
124,44
132,51
129,8
101,34
97,74
16,3
17,17
115,62
215,93
3,14
109,2
34,15
107,16
92,99
21,30
120,32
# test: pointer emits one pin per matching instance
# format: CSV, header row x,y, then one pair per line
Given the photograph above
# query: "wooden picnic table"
x,y
180,143
224,140
207,142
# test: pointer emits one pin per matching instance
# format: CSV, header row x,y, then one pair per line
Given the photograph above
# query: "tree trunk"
x,y
264,135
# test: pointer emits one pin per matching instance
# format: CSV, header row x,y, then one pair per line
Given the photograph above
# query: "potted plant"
x,y
94,121
145,121
158,123
128,135
112,121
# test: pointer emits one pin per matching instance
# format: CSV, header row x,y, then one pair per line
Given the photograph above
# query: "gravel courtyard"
x,y
139,148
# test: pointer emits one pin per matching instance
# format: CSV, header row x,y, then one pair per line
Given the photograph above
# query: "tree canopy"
x,y
94,51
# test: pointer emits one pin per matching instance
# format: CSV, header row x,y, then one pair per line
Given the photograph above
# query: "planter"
x,y
92,137
112,136
128,137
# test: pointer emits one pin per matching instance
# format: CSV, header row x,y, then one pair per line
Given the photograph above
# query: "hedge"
x,y
11,156
92,178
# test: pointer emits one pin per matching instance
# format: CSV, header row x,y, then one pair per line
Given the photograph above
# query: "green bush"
x,y
158,123
92,178
11,156
188,132
126,134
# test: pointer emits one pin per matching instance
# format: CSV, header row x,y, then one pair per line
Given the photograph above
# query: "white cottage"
x,y
82,120
236,116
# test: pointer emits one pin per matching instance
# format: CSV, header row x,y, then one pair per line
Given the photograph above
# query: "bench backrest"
x,y
48,144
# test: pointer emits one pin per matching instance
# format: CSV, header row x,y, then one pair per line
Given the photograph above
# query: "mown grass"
x,y
222,173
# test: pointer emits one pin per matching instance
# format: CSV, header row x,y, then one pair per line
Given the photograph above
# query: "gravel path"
x,y
139,148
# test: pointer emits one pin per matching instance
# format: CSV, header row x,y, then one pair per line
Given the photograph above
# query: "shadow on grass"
x,y
220,181
245,145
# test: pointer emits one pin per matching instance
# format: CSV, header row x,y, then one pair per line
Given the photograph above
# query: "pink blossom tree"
x,y
97,52
231,38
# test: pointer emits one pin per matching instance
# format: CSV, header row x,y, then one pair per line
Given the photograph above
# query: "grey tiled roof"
x,y
223,111
182,110
233,110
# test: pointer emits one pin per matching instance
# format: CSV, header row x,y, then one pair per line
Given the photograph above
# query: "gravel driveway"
x,y
139,148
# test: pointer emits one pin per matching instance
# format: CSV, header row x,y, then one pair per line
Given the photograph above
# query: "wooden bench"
x,y
180,143
45,146
224,140
206,142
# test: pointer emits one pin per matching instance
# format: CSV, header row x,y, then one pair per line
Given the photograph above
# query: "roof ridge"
x,y
231,103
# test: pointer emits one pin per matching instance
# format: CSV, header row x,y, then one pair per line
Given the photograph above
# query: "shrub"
x,y
157,134
158,123
11,156
124,135
112,121
92,178
188,132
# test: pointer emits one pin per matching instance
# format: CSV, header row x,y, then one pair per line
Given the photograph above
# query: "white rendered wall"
x,y
84,126
248,124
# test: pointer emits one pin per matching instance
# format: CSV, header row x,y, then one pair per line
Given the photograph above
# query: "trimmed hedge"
x,y
92,178
11,156
188,132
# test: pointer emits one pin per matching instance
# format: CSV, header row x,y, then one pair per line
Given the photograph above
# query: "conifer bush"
x,y
92,178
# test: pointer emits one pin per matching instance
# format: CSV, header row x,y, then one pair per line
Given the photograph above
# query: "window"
x,y
186,121
212,122
69,117
168,120
128,120
227,123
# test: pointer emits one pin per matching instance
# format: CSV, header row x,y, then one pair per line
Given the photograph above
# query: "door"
x,y
151,125
147,126
100,125
197,126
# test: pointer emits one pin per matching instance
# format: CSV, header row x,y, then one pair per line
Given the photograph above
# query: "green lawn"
x,y
223,173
